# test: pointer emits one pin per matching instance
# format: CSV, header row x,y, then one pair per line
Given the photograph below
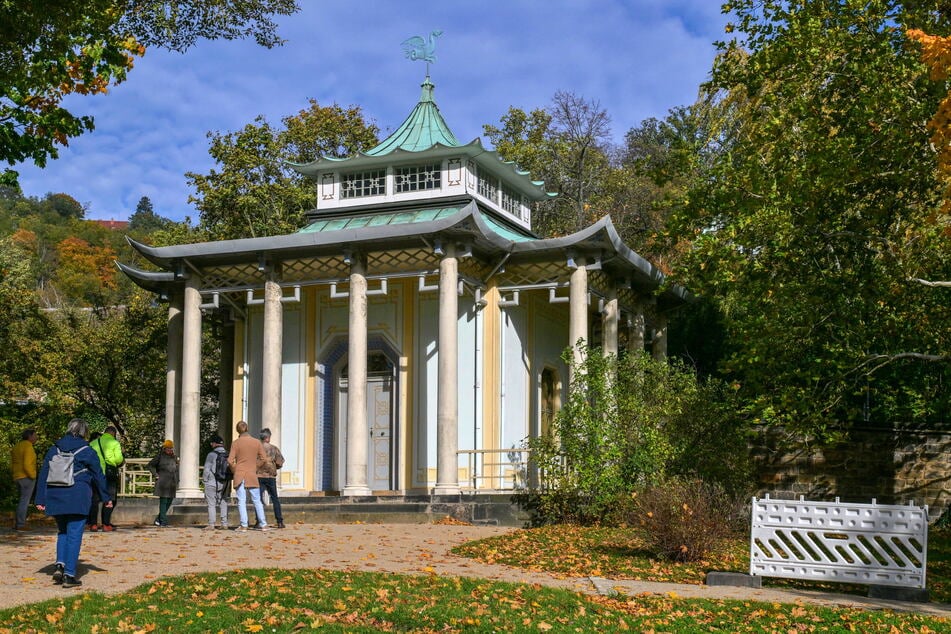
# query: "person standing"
x,y
267,473
69,505
246,454
109,450
217,484
164,468
23,463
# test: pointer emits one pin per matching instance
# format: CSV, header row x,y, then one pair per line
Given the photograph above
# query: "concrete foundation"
x,y
492,510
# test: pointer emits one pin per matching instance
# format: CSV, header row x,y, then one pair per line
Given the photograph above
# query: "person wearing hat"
x,y
217,490
164,468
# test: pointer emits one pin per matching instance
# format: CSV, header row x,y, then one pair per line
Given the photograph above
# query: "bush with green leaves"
x,y
628,422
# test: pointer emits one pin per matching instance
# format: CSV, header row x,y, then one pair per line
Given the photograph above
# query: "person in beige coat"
x,y
246,454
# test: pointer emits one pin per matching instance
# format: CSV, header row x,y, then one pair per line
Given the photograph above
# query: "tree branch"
x,y
889,358
930,283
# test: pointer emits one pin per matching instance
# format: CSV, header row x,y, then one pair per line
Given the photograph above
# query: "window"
x,y
361,184
549,400
512,201
416,178
488,186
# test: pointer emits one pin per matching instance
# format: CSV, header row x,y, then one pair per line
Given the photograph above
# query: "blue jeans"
x,y
25,485
242,492
69,539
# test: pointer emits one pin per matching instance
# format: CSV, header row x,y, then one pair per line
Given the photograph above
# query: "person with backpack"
x,y
109,450
217,478
64,489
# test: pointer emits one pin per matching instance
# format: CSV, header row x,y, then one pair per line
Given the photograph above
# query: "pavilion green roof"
x,y
379,220
422,129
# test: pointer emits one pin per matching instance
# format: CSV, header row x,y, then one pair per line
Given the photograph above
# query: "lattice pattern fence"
x,y
873,544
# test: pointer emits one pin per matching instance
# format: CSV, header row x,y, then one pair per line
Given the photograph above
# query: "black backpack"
x,y
222,469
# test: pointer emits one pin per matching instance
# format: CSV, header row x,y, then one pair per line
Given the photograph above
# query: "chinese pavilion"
x,y
410,335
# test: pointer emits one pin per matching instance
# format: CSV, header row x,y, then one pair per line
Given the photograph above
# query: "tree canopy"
x,y
254,191
810,223
55,48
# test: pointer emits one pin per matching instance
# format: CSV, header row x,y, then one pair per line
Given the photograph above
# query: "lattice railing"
x,y
873,544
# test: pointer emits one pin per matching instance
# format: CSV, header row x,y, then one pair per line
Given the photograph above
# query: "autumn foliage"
x,y
936,54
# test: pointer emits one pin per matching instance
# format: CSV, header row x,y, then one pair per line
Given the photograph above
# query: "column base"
x,y
446,489
189,493
356,491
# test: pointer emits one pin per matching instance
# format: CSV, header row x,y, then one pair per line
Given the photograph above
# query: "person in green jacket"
x,y
110,459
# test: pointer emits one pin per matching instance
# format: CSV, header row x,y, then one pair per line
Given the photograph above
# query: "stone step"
x,y
495,510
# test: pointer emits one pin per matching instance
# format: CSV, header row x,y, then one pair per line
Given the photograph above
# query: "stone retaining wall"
x,y
893,466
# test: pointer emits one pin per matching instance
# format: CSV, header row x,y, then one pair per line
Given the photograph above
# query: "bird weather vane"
x,y
417,48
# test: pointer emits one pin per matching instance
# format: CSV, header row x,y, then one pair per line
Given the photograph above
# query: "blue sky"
x,y
638,58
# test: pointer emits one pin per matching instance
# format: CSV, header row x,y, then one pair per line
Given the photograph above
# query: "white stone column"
x,y
273,359
447,398
611,319
173,371
635,339
659,340
188,448
578,310
357,429
226,383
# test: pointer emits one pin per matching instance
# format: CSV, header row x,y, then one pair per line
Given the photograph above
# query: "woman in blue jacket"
x,y
70,505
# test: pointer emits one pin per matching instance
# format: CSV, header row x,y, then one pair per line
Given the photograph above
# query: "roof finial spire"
x,y
416,48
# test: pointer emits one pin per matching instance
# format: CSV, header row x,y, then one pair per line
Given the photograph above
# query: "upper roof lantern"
x,y
422,129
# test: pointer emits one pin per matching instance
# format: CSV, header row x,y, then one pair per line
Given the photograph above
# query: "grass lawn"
x,y
295,600
619,554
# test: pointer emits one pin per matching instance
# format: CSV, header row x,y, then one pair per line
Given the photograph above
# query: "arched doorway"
x,y
330,432
383,434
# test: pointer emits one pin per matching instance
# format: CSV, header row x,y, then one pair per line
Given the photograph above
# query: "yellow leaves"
x,y
935,52
56,615
252,626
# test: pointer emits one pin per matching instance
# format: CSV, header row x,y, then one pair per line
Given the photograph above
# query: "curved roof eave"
x,y
602,236
298,244
154,281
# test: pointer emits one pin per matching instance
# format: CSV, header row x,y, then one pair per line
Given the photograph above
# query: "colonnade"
x,y
183,377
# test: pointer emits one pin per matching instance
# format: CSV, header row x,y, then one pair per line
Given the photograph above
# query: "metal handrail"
x,y
494,469
486,470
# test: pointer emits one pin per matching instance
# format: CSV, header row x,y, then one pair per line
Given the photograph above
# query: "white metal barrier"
x,y
873,544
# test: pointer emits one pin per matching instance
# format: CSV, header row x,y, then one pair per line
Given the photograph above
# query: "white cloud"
x,y
637,57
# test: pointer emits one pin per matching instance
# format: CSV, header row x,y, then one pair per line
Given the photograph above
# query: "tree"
x,y
255,192
65,205
144,219
85,271
52,49
936,53
567,146
807,226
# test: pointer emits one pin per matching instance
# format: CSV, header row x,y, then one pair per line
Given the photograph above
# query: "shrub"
x,y
685,519
627,423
